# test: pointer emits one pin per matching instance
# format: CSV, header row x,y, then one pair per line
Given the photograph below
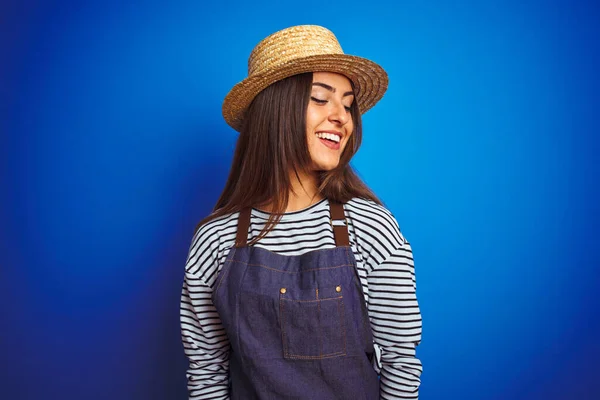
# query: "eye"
x,y
348,108
318,101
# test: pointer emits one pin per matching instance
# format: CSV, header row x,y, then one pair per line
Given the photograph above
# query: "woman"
x,y
299,284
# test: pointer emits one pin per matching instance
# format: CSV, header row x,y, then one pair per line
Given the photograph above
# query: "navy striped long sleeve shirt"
x,y
385,267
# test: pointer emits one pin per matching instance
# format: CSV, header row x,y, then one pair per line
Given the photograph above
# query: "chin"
x,y
326,166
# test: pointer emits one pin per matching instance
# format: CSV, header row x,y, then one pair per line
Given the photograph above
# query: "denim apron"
x,y
297,325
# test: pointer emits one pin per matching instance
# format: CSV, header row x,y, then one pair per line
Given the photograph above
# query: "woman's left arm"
x,y
396,323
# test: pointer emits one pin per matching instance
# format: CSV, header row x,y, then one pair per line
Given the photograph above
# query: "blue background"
x,y
485,148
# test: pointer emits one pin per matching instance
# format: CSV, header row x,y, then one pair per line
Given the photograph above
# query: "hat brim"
x,y
369,79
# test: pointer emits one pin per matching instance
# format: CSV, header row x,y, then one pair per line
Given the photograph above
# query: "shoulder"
x,y
206,227
207,240
375,219
377,234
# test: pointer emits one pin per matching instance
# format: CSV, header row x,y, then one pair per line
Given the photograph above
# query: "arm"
x,y
205,342
396,323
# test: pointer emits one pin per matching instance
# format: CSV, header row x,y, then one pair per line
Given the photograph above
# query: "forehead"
x,y
334,80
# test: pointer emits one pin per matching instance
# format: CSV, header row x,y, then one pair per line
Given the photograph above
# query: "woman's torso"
x,y
372,229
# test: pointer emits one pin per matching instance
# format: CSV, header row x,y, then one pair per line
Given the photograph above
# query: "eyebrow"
x,y
331,88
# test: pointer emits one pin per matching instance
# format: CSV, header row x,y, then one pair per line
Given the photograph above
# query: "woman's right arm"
x,y
204,339
205,342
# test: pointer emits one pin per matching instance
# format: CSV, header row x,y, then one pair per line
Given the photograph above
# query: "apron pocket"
x,y
312,323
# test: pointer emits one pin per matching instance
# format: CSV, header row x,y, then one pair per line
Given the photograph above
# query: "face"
x,y
328,120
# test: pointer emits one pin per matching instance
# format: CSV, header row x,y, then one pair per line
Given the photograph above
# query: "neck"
x,y
303,193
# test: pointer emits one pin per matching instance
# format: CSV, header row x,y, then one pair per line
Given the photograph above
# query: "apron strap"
x,y
242,227
339,224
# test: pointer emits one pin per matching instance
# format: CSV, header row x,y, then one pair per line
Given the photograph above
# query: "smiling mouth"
x,y
332,136
330,140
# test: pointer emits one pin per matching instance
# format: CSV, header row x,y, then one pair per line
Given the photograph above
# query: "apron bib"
x,y
298,325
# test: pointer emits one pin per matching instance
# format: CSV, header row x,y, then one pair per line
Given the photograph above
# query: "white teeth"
x,y
330,136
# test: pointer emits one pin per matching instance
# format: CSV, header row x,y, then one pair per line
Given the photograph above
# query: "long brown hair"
x,y
272,143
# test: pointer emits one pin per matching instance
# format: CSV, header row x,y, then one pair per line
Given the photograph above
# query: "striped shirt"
x,y
385,268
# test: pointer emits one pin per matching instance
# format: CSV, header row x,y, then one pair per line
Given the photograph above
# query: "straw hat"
x,y
299,49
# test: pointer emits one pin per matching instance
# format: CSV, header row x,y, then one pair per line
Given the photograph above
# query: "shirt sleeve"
x,y
396,323
204,339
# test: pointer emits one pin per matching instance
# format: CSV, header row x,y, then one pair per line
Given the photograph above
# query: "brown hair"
x,y
272,143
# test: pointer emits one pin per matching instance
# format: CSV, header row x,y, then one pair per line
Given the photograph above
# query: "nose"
x,y
339,115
